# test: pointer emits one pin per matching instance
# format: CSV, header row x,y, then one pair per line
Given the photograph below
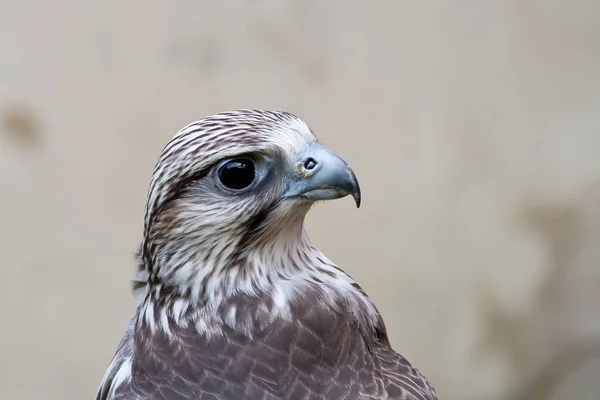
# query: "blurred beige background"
x,y
473,126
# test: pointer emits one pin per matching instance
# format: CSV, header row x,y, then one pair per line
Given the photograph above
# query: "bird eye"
x,y
237,174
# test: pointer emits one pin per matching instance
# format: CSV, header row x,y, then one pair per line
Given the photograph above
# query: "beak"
x,y
318,174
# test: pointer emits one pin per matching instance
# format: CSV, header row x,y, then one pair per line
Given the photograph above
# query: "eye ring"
x,y
237,173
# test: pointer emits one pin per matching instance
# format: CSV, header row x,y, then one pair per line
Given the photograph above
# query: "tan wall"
x,y
473,126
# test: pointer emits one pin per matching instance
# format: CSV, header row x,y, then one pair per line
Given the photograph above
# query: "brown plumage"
x,y
235,301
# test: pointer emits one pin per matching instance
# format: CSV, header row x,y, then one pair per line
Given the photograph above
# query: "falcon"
x,y
235,301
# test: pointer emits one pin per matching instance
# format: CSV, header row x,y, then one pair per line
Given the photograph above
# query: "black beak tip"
x,y
355,188
357,198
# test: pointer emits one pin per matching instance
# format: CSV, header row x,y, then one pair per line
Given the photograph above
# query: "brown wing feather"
x,y
320,354
401,378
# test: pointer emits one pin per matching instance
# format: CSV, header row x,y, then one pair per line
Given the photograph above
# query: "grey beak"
x,y
318,174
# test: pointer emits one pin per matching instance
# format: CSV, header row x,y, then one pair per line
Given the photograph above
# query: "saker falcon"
x,y
235,302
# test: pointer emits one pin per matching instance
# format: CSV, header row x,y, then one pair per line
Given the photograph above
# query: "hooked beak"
x,y
319,174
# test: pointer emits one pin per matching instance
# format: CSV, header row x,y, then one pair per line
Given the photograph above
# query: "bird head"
x,y
227,201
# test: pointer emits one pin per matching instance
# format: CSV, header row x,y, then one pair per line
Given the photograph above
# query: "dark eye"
x,y
237,174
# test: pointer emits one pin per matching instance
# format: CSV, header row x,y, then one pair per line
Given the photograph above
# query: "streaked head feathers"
x,y
204,239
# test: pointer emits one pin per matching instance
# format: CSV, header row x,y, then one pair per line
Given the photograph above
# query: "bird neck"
x,y
241,291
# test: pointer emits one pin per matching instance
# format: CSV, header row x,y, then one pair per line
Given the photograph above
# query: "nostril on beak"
x,y
309,164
